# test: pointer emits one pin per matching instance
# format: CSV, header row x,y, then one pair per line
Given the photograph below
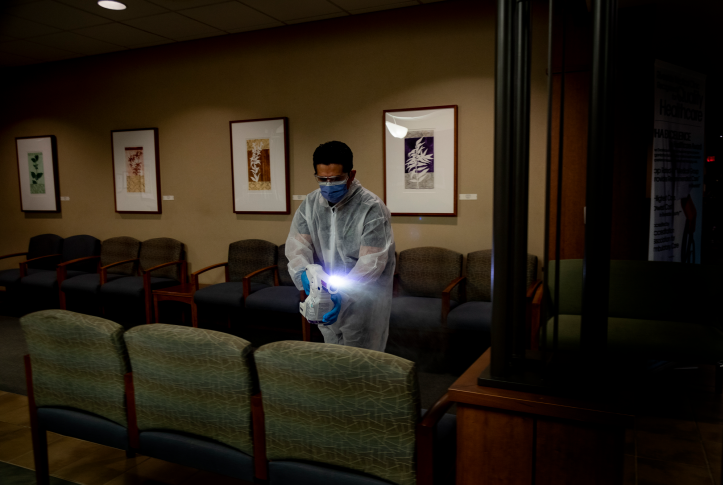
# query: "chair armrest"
x,y
194,276
247,279
446,298
13,255
425,439
182,262
24,264
534,312
532,288
257,416
131,411
73,261
104,269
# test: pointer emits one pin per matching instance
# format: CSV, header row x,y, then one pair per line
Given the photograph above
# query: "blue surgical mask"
x,y
334,193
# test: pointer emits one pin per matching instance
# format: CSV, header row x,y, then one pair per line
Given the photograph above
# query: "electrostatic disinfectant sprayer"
x,y
318,303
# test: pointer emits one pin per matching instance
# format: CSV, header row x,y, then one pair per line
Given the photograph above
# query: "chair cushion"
x,y
75,247
162,250
275,298
417,312
426,271
197,452
84,426
310,473
473,315
647,338
43,245
229,294
120,249
132,286
46,279
11,277
249,255
86,283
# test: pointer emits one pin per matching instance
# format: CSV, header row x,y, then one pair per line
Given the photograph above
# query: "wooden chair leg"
x,y
194,314
228,321
61,299
305,330
40,454
156,311
149,310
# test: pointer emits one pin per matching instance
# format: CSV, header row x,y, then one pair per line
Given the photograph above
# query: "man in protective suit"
x,y
348,231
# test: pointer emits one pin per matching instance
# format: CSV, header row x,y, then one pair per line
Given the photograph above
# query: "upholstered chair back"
x,y
344,406
283,262
43,245
120,249
247,256
78,362
192,380
427,271
478,284
162,250
75,247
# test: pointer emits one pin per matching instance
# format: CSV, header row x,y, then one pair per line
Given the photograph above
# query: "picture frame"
x,y
420,161
38,178
136,171
260,166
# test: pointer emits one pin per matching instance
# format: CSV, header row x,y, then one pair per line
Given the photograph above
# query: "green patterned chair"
x,y
190,398
344,415
244,257
75,380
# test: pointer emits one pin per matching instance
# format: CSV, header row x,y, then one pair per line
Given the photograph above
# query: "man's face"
x,y
334,169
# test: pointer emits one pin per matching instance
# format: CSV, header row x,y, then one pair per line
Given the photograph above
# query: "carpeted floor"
x,y
12,349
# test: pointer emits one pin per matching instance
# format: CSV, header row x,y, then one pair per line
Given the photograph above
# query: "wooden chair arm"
x,y
104,269
24,264
182,262
194,276
531,289
13,255
247,279
72,261
257,416
131,411
425,439
446,298
534,313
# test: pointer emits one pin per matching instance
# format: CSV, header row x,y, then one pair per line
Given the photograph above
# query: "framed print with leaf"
x,y
420,161
260,166
38,173
136,171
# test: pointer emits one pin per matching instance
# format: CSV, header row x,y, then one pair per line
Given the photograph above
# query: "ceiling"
x,y
35,31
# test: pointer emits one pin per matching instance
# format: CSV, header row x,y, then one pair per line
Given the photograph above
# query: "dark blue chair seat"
x,y
84,426
87,283
11,277
229,294
197,452
415,312
471,316
46,279
310,473
132,286
275,298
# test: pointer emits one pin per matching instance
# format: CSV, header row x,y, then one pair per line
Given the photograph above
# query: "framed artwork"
x,y
136,171
420,161
38,173
260,166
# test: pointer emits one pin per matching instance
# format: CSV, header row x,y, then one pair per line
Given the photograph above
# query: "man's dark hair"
x,y
334,152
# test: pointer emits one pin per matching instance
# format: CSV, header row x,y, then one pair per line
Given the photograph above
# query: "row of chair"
x,y
290,412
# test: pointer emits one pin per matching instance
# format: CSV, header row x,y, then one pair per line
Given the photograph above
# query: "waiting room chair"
x,y
334,414
85,289
274,305
469,324
162,264
41,287
425,292
43,254
190,398
244,258
75,381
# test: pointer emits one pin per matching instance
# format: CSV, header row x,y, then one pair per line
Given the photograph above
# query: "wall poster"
x,y
678,164
420,161
260,166
38,173
136,171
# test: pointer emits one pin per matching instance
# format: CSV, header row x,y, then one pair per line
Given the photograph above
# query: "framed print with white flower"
x,y
420,161
260,166
136,171
38,173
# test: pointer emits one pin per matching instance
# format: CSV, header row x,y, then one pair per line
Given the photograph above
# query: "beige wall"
x,y
332,79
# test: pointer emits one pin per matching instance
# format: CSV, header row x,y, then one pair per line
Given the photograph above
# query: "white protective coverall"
x,y
352,239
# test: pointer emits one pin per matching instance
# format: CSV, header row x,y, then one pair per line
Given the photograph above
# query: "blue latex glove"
x,y
331,317
305,282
